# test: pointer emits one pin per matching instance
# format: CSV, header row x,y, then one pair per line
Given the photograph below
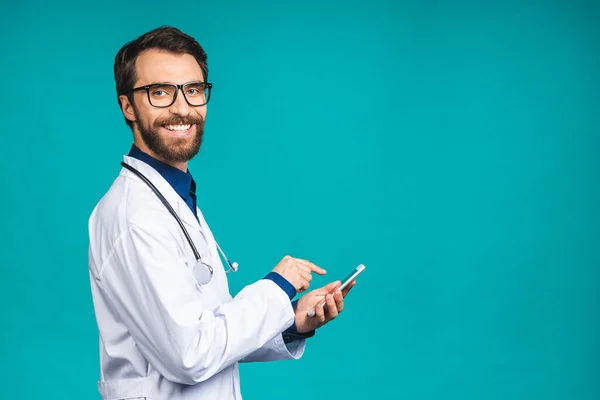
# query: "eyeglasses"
x,y
163,95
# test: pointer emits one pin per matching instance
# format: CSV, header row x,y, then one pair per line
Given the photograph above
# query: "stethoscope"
x,y
202,271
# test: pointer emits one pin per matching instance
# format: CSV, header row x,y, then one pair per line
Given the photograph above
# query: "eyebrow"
x,y
172,83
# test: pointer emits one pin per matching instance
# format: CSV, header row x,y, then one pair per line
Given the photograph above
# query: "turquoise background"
x,y
451,147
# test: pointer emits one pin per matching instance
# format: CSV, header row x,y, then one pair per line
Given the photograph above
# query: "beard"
x,y
172,149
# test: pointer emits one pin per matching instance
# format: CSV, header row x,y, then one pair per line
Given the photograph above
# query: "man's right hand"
x,y
298,272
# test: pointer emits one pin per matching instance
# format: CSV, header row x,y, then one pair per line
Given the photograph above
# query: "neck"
x,y
182,166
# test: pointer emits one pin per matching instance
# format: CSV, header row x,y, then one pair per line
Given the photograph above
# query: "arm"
x,y
185,340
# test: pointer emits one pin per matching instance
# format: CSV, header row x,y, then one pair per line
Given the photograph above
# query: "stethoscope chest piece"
x,y
202,272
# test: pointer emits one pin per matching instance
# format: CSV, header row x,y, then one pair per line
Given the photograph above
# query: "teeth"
x,y
181,128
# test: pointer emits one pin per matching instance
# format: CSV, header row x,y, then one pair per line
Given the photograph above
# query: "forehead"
x,y
154,66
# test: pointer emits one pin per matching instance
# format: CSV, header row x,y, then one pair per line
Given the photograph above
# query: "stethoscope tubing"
x,y
167,205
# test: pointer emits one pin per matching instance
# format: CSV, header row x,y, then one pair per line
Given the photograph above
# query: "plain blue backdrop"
x,y
451,147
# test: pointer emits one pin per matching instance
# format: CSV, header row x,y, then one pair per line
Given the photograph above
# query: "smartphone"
x,y
345,282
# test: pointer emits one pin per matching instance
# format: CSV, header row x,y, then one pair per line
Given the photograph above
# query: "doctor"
x,y
168,326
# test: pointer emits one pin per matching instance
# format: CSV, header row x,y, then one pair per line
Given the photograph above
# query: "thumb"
x,y
330,287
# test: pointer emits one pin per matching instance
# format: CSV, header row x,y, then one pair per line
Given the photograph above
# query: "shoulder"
x,y
128,201
127,204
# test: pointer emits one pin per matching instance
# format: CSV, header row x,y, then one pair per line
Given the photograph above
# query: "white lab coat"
x,y
162,335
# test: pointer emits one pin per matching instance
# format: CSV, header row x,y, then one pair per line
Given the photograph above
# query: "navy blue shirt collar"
x,y
181,182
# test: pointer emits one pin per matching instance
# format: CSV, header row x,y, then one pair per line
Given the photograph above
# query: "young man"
x,y
169,329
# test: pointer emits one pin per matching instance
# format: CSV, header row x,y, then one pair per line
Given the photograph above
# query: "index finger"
x,y
311,266
329,288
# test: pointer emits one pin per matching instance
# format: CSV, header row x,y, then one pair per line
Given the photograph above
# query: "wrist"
x,y
283,283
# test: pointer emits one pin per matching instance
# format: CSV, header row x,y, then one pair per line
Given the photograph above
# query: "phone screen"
x,y
351,276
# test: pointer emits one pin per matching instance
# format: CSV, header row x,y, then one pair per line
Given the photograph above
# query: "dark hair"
x,y
164,38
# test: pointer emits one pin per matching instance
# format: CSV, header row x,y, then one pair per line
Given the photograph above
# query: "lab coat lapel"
x,y
182,210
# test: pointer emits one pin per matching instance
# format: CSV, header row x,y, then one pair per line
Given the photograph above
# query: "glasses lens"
x,y
197,94
161,95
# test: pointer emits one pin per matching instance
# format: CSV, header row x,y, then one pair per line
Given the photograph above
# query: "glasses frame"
x,y
179,87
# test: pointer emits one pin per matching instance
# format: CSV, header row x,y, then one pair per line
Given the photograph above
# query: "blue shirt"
x,y
183,183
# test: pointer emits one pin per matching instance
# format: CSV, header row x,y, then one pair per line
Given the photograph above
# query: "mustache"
x,y
179,121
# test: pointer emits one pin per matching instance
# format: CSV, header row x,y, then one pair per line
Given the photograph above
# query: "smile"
x,y
178,130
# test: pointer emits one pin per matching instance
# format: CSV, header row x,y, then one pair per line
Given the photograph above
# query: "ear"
x,y
127,108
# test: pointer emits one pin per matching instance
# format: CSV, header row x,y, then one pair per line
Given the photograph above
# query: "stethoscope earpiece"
x,y
232,266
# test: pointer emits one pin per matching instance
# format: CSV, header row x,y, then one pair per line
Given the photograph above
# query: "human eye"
x,y
196,89
161,91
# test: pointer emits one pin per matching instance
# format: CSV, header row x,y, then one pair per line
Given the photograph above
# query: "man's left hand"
x,y
334,299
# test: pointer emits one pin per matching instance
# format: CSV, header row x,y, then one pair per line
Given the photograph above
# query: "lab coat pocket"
x,y
130,389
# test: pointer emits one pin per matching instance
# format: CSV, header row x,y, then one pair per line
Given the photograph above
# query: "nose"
x,y
180,106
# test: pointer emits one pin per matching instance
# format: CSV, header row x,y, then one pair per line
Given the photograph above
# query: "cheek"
x,y
201,112
152,118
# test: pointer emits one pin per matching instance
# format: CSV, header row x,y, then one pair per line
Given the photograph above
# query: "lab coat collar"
x,y
182,209
182,182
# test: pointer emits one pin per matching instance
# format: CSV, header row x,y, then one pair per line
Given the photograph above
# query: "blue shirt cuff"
x,y
291,334
283,283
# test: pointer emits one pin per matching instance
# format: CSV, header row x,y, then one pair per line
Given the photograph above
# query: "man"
x,y
169,329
